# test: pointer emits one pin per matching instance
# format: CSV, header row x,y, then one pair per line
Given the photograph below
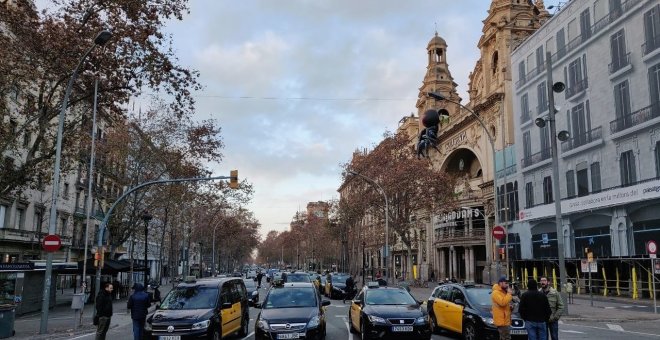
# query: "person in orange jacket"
x,y
501,298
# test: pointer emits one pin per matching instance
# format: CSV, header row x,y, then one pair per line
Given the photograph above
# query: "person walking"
x,y
103,310
260,275
350,288
556,306
138,303
535,310
501,307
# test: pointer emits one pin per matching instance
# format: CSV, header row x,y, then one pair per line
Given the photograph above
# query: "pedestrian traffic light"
x,y
587,250
233,179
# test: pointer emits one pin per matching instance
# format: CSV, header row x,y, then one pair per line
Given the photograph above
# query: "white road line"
x,y
569,331
609,307
83,336
614,327
249,335
607,329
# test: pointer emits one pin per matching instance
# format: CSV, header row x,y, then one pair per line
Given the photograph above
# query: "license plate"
x,y
169,337
518,332
402,328
288,336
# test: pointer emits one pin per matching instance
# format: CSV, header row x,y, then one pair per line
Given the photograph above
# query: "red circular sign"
x,y
498,232
52,243
651,247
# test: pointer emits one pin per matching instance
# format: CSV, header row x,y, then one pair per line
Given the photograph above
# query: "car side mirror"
x,y
226,305
459,302
325,303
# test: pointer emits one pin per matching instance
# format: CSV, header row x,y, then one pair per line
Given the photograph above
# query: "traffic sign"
x,y
587,266
498,232
651,247
52,243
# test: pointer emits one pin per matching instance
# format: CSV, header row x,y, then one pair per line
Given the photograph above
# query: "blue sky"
x,y
357,65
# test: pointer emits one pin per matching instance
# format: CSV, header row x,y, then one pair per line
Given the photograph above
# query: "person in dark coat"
x,y
139,304
535,310
260,275
103,310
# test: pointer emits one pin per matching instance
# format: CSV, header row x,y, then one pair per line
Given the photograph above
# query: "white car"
x,y
251,274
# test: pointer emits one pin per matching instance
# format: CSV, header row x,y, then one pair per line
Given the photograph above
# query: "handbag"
x,y
96,320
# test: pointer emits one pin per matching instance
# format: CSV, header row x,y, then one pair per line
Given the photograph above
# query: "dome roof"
x,y
437,40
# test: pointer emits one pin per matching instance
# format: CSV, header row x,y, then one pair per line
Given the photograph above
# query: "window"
x,y
527,145
13,127
524,108
547,190
4,215
19,220
38,215
27,137
627,168
654,88
570,183
652,29
561,44
542,95
63,226
595,177
529,195
65,193
521,72
582,181
545,141
585,24
540,59
622,103
574,76
579,125
657,159
618,51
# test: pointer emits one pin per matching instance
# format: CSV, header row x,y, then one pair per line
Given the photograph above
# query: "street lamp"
x,y
386,252
100,40
146,217
489,243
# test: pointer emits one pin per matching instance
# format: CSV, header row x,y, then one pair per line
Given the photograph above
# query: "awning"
x,y
111,267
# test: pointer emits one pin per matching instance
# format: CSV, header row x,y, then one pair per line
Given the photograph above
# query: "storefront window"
x,y
597,239
7,288
514,247
544,245
643,232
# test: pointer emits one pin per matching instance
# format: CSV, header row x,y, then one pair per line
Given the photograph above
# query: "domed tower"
x,y
437,79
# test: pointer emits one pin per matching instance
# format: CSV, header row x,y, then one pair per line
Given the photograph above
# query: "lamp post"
x,y
100,40
386,252
213,252
146,217
491,140
364,260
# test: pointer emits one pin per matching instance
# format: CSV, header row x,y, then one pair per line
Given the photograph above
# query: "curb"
x,y
620,320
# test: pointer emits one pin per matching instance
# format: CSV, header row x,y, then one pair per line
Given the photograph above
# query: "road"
x,y
337,328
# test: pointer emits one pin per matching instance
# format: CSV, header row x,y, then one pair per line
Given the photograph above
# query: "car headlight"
x,y
263,325
201,325
422,320
488,321
376,319
314,322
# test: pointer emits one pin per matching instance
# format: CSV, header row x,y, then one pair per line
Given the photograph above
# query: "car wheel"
x,y
363,333
350,323
245,324
469,332
434,327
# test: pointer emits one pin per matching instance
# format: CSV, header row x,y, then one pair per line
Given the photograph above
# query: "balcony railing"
x,y
582,139
651,45
447,235
620,63
577,87
536,158
635,118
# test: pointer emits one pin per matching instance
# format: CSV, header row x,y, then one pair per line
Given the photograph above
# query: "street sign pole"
x,y
655,300
590,260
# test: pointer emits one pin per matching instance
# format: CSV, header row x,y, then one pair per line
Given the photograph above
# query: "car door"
x,y
226,314
431,300
356,310
454,311
440,305
236,308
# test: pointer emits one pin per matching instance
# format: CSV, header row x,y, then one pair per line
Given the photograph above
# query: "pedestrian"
x,y
349,290
103,310
568,288
556,306
260,275
138,303
501,309
432,276
535,310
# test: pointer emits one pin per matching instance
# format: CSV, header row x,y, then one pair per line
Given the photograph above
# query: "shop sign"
x,y
619,196
458,215
17,266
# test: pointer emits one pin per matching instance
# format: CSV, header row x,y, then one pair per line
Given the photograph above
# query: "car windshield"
x,y
290,298
339,279
249,283
479,297
297,278
190,298
389,297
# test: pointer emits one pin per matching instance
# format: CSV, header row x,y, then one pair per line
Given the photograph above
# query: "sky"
x,y
298,85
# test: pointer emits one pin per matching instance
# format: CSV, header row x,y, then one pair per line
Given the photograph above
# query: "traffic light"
x,y
233,179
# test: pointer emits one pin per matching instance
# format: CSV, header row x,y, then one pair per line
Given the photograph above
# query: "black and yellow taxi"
x,y
201,309
297,277
466,309
335,285
291,310
381,312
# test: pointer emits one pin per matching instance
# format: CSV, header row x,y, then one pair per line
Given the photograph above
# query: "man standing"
x,y
103,310
350,288
535,310
501,309
138,303
259,277
556,306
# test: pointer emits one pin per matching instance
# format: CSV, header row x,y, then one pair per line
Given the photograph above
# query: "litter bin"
x,y
7,316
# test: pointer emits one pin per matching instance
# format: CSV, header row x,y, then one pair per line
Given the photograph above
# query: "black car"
x,y
207,309
466,310
252,291
297,277
336,286
291,311
379,312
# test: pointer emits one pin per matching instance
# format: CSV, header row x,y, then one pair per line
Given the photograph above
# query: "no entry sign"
x,y
652,248
498,232
52,243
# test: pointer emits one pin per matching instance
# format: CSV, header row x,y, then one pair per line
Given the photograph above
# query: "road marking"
x,y
83,336
249,335
607,329
609,307
569,331
614,327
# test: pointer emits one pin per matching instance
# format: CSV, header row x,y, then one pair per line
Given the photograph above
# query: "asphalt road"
x,y
337,328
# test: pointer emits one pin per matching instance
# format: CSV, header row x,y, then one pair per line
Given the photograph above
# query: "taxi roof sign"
x,y
373,284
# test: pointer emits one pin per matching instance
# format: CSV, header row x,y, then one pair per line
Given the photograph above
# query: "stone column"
x,y
471,264
454,262
442,269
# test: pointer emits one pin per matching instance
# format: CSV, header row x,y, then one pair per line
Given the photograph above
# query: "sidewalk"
x,y
61,320
581,310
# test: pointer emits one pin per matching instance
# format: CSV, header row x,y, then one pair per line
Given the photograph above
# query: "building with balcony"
x,y
607,53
